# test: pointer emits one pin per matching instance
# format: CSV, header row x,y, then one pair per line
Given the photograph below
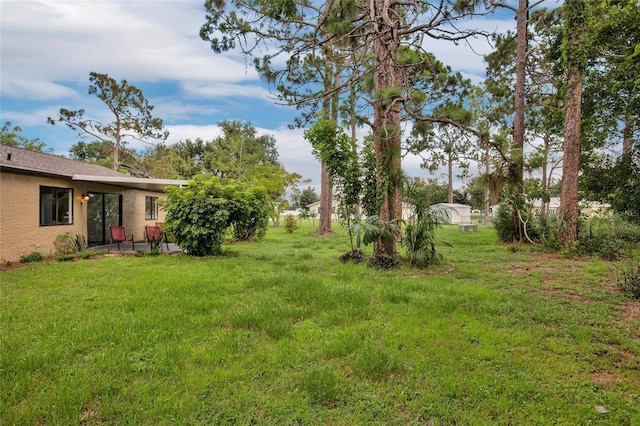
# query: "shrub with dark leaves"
x,y
355,256
383,261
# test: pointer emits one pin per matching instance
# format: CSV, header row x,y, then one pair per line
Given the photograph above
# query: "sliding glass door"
x,y
103,211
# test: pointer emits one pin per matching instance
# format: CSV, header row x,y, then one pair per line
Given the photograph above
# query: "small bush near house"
x,y
34,256
68,244
155,244
629,280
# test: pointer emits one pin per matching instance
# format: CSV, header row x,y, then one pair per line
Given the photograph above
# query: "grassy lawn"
x,y
282,333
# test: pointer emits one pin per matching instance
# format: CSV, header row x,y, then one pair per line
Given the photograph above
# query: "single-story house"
x,y
43,196
587,208
457,214
594,208
408,210
315,208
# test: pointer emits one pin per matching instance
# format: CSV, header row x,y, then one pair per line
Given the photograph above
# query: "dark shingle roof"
x,y
37,162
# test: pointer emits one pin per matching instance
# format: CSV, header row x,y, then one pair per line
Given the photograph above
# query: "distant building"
x,y
553,206
315,208
457,214
587,208
408,210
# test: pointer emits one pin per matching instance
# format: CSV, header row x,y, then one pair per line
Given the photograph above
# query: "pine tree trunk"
x,y
571,158
627,131
450,185
326,202
487,193
386,110
116,153
326,189
575,57
519,107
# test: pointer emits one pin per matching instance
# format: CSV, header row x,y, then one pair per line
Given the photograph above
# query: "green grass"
x,y
280,332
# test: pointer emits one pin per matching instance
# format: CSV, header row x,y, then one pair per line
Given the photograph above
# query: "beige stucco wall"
x,y
20,230
133,212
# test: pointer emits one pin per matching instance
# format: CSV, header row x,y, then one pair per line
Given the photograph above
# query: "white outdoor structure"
x,y
458,214
408,210
552,206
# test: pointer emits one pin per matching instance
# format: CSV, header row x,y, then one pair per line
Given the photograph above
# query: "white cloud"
x,y
216,90
181,132
38,90
170,109
136,40
295,153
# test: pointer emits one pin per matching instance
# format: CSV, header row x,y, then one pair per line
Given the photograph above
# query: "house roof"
x,y
24,161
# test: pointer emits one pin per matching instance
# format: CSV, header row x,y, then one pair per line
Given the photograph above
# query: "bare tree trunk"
x,y
575,12
326,202
571,158
487,191
450,185
627,131
517,157
545,163
116,153
354,131
386,110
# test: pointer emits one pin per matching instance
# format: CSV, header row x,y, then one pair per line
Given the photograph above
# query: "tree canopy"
x,y
132,117
12,136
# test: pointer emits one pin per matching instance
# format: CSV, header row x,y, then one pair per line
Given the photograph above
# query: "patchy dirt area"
x,y
561,277
632,309
605,378
10,266
555,270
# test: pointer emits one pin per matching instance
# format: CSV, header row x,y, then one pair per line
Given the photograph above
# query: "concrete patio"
x,y
127,247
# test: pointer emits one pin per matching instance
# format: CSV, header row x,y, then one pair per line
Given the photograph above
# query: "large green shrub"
x,y
200,214
372,230
518,220
505,224
610,238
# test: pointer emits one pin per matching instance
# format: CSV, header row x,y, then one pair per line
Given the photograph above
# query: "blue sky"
x,y
49,47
